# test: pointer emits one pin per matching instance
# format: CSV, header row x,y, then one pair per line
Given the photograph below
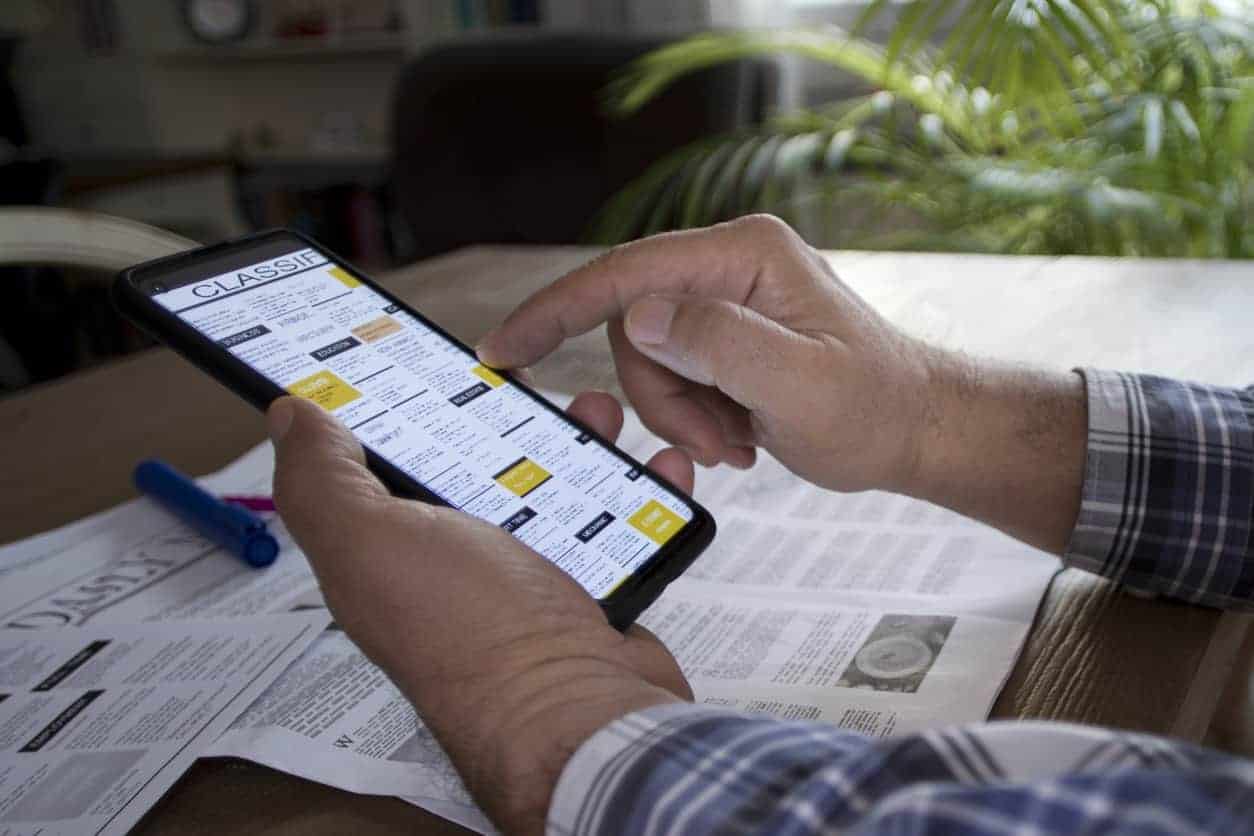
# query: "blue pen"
x,y
235,529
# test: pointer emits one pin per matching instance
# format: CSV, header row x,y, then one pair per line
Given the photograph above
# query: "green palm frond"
x,y
915,80
1055,126
1036,46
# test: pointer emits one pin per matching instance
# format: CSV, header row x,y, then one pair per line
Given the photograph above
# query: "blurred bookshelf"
x,y
294,112
141,80
267,48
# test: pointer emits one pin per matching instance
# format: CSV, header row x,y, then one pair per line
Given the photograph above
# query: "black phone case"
x,y
623,605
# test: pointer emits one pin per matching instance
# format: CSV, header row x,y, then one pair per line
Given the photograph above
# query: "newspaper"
x,y
869,611
97,722
334,717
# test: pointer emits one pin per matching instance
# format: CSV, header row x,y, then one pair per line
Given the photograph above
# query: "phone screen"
x,y
425,403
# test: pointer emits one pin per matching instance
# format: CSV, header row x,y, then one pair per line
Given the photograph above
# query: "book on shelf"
x,y
452,16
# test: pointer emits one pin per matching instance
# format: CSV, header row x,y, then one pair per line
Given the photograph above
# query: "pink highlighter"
x,y
252,503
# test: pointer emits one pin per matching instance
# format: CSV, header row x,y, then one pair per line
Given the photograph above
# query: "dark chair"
x,y
508,141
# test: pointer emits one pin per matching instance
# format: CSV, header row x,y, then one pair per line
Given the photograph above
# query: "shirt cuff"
x,y
1168,488
595,772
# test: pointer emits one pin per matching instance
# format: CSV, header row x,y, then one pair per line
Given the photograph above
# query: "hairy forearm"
x,y
1005,445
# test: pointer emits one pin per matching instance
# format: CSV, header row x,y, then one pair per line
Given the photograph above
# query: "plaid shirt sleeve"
x,y
1168,489
685,769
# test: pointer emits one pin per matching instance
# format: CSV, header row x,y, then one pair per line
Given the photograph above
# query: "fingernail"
x,y
649,320
279,419
483,350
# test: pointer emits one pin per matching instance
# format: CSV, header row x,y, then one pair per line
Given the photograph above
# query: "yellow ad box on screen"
x,y
656,521
343,277
487,376
325,389
522,477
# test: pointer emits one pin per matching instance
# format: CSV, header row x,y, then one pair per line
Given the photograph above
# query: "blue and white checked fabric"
x,y
1168,489
683,769
1167,503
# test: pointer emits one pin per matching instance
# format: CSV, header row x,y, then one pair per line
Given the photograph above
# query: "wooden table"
x,y
1095,655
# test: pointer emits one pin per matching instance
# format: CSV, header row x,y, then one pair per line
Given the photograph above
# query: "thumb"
x,y
750,358
320,474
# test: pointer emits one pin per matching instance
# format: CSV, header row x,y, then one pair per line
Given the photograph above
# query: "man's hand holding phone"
x,y
509,661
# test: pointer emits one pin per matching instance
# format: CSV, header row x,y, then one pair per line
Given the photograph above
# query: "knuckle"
x,y
607,261
767,227
652,421
711,331
692,323
723,321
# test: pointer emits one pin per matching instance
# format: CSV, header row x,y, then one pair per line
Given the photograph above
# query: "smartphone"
x,y
274,313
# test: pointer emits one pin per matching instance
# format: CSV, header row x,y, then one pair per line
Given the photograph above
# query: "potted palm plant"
x,y
1114,127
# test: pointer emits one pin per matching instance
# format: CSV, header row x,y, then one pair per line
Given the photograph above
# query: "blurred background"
x,y
396,130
